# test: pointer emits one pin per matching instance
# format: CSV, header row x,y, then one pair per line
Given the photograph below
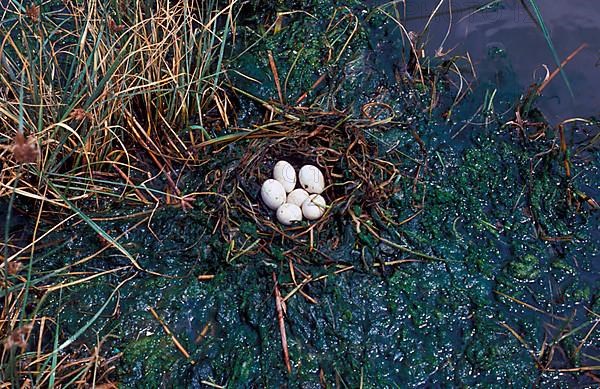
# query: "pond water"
x,y
511,26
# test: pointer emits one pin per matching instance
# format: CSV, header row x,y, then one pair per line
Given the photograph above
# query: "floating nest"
x,y
360,175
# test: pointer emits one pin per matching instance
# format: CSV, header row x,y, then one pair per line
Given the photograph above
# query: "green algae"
x,y
422,323
142,360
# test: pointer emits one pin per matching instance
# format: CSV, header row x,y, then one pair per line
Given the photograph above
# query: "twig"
x,y
536,309
313,86
523,342
396,262
558,69
279,307
582,343
178,345
575,369
202,333
297,288
208,383
128,181
275,76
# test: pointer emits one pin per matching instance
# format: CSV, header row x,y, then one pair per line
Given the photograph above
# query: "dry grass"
x,y
103,98
92,97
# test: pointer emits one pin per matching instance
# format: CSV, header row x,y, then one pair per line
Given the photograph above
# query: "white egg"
x,y
297,196
272,193
285,173
314,207
288,213
311,179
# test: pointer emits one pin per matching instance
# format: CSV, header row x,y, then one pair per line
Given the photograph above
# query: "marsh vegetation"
x,y
459,246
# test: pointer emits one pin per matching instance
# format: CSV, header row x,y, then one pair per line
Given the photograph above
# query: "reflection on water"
x,y
508,25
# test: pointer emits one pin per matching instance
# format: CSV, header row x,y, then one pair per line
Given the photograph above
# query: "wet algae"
x,y
507,266
419,323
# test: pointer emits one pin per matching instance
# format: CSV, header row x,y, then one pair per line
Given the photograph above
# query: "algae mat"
x,y
481,316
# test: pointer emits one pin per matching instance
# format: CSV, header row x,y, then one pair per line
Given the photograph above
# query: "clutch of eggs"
x,y
291,204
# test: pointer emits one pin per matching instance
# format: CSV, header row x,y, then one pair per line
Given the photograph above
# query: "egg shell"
x,y
314,207
311,179
297,196
272,193
288,213
284,173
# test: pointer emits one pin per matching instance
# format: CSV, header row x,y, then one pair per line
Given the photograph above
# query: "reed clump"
x,y
103,92
92,97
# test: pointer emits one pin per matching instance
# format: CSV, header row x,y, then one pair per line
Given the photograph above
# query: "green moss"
x,y
149,358
249,229
525,268
562,265
303,49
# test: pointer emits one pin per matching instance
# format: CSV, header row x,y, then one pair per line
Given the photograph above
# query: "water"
x,y
509,26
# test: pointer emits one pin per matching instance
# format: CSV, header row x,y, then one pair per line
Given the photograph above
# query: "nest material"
x,y
356,174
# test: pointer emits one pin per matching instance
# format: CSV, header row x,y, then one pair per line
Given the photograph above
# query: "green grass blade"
x,y
54,358
546,32
99,230
223,44
85,327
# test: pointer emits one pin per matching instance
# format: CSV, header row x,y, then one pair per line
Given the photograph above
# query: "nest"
x,y
359,179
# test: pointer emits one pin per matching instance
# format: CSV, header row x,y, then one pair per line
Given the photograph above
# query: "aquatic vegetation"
x,y
540,20
458,249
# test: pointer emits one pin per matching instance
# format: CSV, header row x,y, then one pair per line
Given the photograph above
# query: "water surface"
x,y
511,27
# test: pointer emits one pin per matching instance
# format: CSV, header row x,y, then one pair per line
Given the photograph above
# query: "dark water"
x,y
513,28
